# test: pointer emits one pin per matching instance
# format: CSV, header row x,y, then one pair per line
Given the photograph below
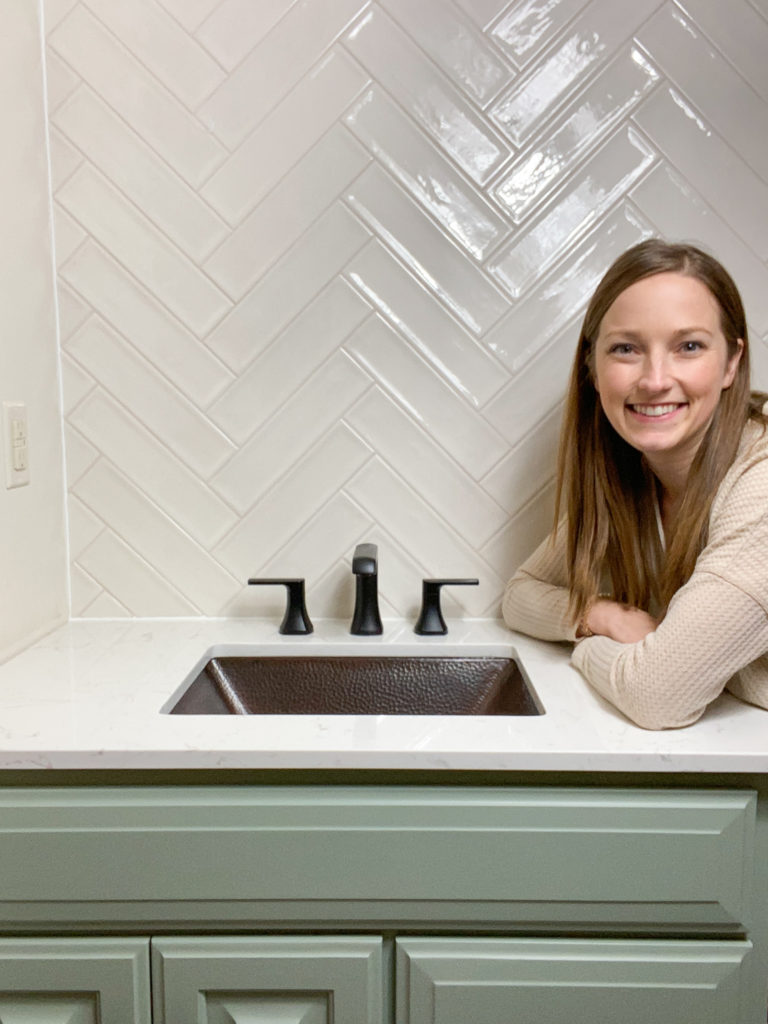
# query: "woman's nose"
x,y
655,374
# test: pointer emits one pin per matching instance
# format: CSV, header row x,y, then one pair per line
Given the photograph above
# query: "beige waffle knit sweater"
x,y
715,633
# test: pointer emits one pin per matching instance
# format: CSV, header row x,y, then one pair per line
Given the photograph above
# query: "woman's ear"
x,y
733,364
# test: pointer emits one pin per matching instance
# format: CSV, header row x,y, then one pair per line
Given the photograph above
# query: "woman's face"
x,y
660,365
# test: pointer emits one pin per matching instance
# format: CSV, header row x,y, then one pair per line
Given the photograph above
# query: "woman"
x,y
658,568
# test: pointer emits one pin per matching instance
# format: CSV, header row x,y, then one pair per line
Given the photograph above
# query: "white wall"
x,y
320,266
33,592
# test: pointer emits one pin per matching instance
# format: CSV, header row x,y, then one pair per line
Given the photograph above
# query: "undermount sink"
x,y
352,685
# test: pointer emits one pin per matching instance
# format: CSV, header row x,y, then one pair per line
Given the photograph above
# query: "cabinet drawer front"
x,y
85,980
452,981
309,980
580,858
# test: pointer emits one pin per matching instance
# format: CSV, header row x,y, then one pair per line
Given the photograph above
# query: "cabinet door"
x,y
302,980
495,981
74,981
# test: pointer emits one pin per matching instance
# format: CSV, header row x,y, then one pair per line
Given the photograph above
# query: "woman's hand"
x,y
620,622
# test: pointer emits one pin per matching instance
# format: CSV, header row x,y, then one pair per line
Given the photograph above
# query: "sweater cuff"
x,y
594,657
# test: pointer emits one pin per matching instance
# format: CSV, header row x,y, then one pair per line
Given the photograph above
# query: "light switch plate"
x,y
16,444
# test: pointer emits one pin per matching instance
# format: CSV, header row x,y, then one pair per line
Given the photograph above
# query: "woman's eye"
x,y
621,348
691,346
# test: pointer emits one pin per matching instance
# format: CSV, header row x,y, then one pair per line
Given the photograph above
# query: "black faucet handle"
x,y
365,560
296,621
430,621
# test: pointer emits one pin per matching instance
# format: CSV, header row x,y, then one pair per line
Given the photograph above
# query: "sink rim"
x,y
433,648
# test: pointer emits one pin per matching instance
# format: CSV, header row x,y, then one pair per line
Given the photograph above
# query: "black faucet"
x,y
366,621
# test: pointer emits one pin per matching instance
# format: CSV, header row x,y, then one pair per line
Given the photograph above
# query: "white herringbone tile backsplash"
x,y
321,265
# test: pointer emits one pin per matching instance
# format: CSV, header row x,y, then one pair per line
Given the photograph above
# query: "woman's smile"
x,y
656,411
660,364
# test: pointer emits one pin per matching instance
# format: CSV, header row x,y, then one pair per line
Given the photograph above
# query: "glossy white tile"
x,y
84,526
190,13
105,606
65,158
402,69
294,356
738,32
287,287
270,69
483,12
718,172
123,157
293,502
130,580
154,537
710,83
432,404
83,591
76,383
133,240
289,131
421,462
524,532
73,311
586,197
157,39
524,29
121,301
287,212
299,421
527,468
100,60
153,468
536,390
430,179
68,234
455,45
61,81
234,27
446,271
613,94
591,37
162,409
54,11
80,454
409,307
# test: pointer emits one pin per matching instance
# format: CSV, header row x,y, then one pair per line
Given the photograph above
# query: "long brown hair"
x,y
607,488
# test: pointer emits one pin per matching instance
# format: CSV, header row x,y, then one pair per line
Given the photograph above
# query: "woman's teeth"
x,y
655,410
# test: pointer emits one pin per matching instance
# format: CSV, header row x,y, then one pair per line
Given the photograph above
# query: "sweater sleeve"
x,y
715,625
667,680
536,598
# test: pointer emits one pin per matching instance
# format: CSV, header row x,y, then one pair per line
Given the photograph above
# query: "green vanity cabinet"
x,y
290,979
342,980
490,981
420,904
74,981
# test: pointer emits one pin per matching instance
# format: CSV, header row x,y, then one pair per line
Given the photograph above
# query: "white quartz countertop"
x,y
90,696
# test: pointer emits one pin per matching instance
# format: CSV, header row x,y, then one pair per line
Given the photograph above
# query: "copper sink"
x,y
351,685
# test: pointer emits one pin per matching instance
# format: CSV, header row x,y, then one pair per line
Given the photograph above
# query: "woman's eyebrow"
x,y
630,335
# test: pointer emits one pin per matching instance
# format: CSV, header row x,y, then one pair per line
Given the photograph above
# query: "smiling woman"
x,y
658,567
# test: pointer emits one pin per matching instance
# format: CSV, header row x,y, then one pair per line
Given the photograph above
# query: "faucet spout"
x,y
366,620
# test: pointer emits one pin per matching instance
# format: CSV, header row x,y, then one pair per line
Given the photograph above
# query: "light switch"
x,y
16,444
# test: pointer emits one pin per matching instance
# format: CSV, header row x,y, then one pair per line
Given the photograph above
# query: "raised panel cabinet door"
x,y
553,981
293,980
74,981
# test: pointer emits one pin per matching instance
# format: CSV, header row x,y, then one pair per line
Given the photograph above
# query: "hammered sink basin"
x,y
351,685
